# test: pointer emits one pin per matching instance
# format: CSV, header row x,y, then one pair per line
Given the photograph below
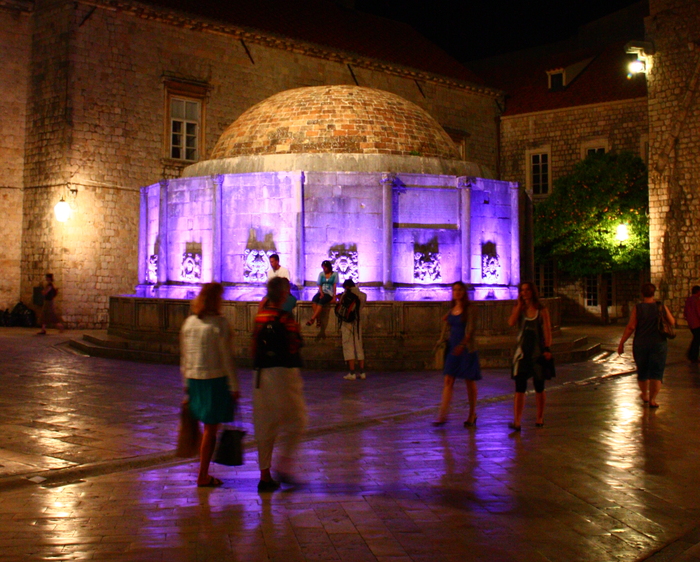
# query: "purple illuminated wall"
x,y
402,236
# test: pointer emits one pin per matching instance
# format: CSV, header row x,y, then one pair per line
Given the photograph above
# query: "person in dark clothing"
x,y
650,346
691,312
532,353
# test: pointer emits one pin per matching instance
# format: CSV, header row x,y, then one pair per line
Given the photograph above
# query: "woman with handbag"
x,y
208,371
649,321
461,358
533,358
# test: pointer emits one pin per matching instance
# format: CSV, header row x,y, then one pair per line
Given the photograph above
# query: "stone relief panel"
x,y
426,262
490,263
256,265
191,269
344,259
152,269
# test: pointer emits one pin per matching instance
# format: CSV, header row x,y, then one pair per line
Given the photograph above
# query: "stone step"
x,y
325,354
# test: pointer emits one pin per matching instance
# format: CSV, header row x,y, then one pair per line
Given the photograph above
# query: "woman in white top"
x,y
208,371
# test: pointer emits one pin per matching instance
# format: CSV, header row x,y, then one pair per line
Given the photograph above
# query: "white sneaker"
x,y
362,376
350,377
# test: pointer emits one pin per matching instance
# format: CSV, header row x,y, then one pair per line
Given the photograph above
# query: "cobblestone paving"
x,y
605,479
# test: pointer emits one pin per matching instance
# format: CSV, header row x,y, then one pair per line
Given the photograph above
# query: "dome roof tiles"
x,y
335,119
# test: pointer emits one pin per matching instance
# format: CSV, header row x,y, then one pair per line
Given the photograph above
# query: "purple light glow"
x,y
440,229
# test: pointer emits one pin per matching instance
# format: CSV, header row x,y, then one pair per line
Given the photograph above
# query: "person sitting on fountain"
x,y
327,282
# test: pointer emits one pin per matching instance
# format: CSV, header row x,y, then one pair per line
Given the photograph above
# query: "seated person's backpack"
x,y
348,307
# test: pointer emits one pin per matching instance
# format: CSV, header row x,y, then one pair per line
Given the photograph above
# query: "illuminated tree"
x,y
578,225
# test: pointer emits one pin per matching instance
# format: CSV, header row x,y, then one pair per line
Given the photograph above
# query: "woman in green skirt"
x,y
208,371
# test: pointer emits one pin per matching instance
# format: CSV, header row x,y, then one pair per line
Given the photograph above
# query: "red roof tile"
x,y
603,80
325,23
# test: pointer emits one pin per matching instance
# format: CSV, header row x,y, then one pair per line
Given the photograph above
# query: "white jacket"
x,y
206,351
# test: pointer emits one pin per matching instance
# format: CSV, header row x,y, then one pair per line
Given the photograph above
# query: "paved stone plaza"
x,y
605,479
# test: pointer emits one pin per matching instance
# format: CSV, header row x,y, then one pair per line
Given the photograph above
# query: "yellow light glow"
x,y
622,233
62,210
637,66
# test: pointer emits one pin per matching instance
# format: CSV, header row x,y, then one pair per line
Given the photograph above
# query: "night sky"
x,y
473,29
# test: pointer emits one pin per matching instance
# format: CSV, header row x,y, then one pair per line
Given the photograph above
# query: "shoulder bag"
x,y
666,329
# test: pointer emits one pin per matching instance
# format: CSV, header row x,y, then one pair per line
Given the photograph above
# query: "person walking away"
x,y
327,282
278,400
348,309
48,309
649,347
461,359
691,311
208,371
533,358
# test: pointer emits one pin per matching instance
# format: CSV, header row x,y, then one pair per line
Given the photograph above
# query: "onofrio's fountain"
x,y
357,176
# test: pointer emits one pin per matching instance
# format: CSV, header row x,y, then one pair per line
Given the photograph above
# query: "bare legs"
x,y
540,400
447,392
518,405
644,388
317,311
206,452
654,388
472,394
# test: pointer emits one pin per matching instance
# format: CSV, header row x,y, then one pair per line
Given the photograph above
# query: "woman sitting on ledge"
x,y
327,281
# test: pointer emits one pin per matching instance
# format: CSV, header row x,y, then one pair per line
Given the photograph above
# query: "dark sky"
x,y
473,29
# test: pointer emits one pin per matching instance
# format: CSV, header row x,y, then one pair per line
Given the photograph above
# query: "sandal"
x,y
213,483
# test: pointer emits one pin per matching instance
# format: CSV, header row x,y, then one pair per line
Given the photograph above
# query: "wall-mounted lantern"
x,y
62,210
642,50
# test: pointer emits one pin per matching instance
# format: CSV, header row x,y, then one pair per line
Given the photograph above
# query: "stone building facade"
x,y
97,88
674,147
14,82
561,105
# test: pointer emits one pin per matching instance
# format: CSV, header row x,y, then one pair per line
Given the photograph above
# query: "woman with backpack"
x,y
208,372
48,310
461,359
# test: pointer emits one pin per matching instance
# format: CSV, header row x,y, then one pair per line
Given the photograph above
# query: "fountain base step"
x,y
324,353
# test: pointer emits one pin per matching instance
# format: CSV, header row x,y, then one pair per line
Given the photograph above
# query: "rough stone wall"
x,y
98,107
621,123
626,292
674,143
15,44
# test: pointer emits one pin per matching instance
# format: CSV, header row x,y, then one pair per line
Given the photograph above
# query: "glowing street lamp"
x,y
62,210
622,234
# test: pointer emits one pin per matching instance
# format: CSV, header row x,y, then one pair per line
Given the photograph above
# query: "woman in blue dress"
x,y
461,359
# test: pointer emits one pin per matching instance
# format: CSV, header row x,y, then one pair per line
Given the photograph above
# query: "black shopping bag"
x,y
229,449
189,437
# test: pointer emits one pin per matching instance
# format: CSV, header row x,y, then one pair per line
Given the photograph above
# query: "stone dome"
x,y
335,120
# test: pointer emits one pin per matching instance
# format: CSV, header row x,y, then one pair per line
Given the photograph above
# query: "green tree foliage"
x,y
577,224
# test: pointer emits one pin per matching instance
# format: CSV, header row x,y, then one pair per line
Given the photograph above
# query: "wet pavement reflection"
x,y
605,479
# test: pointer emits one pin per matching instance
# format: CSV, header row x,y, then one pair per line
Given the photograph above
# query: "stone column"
x,y
387,182
163,233
216,226
143,237
298,249
465,226
514,234
527,237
